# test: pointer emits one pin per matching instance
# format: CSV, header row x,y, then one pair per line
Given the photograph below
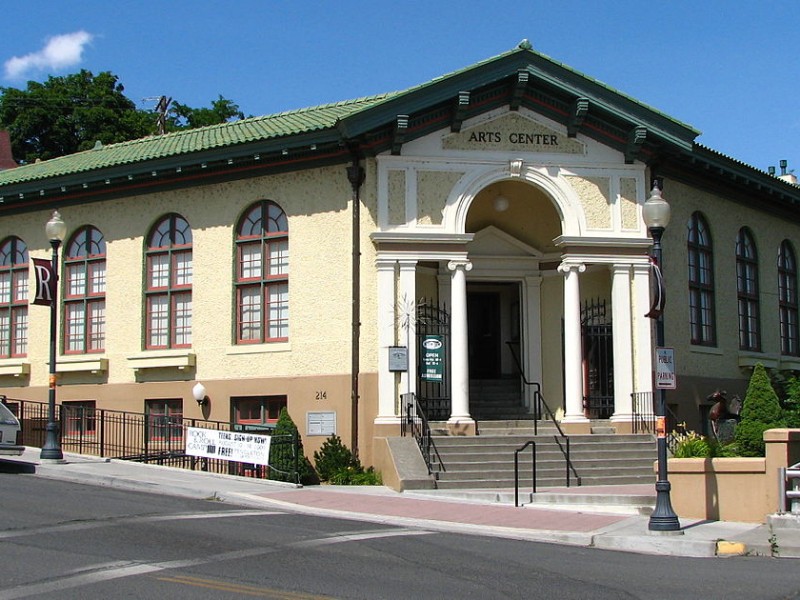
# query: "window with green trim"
x,y
13,298
787,299
168,290
747,291
262,275
85,292
702,319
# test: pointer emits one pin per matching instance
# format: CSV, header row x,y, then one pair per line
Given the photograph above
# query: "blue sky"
x,y
728,68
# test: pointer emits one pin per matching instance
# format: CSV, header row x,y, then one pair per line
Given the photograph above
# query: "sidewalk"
x,y
577,516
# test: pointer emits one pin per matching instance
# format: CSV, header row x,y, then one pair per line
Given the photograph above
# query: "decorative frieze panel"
x,y
513,132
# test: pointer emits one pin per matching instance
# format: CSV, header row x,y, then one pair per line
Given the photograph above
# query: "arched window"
x,y
747,291
168,291
787,299
85,292
13,298
262,275
701,282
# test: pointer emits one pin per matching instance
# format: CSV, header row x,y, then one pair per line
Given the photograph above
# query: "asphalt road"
x,y
63,540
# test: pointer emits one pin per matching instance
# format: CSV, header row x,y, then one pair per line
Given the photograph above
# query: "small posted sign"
x,y
432,358
665,369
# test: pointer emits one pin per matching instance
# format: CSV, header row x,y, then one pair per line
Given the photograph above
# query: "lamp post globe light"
x,y
55,229
656,214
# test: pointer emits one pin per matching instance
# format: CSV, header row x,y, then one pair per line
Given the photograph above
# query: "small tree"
x,y
333,456
282,453
761,411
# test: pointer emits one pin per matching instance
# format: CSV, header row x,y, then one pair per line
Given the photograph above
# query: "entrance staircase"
x,y
486,461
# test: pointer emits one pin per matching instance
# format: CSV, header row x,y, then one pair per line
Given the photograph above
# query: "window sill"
x,y
15,367
259,348
81,364
790,363
162,359
751,359
706,350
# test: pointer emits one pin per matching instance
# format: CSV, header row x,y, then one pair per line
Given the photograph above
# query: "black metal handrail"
x,y
644,419
415,423
539,401
531,443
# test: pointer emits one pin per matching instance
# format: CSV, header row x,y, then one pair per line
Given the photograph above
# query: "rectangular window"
x,y
97,325
257,410
250,266
164,419
250,314
158,322
278,311
278,257
183,268
79,418
182,311
158,269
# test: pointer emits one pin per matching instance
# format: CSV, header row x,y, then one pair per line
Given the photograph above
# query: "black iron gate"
x,y
433,360
598,360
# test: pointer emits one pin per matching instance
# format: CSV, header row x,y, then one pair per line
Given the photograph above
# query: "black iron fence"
x,y
158,439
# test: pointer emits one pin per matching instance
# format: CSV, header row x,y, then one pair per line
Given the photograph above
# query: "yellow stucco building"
x,y
288,260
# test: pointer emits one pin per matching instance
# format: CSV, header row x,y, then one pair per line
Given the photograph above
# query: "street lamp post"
x,y
656,213
55,229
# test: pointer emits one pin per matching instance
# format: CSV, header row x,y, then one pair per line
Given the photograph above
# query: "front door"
x,y
483,312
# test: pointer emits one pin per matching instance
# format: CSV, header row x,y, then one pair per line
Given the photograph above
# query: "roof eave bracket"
x,y
460,111
578,112
400,130
523,76
636,139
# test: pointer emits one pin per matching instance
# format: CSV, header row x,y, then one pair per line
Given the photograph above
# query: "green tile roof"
x,y
155,147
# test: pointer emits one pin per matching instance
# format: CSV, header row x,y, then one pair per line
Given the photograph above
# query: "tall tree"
x,y
67,114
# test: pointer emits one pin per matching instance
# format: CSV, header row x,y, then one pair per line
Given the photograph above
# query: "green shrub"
x,y
333,456
282,456
791,404
761,411
336,464
691,445
356,475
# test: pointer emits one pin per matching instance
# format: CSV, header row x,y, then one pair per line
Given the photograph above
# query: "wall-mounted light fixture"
x,y
199,393
500,204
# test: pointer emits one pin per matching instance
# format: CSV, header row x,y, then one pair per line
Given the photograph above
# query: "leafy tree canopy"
x,y
71,113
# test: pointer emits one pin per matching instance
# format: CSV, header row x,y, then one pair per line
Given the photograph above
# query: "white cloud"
x,y
59,52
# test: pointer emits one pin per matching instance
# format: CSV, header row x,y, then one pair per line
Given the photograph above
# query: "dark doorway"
x,y
483,310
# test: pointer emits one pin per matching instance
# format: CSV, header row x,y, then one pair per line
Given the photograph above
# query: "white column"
x,y
532,336
459,354
573,367
407,299
642,330
622,341
387,323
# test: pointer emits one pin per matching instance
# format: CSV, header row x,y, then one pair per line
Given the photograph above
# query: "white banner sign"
x,y
237,446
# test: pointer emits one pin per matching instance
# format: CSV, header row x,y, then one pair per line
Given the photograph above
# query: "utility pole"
x,y
161,112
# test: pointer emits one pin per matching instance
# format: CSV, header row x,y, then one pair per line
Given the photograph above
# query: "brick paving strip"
x,y
452,512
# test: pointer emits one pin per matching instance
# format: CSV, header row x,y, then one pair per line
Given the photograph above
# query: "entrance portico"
x,y
561,230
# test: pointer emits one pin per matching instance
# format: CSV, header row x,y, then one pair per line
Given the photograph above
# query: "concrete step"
x,y
542,482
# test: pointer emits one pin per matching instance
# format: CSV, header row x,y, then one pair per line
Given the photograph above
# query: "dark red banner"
x,y
45,282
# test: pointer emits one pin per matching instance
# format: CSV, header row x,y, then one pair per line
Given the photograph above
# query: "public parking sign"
x,y
665,369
